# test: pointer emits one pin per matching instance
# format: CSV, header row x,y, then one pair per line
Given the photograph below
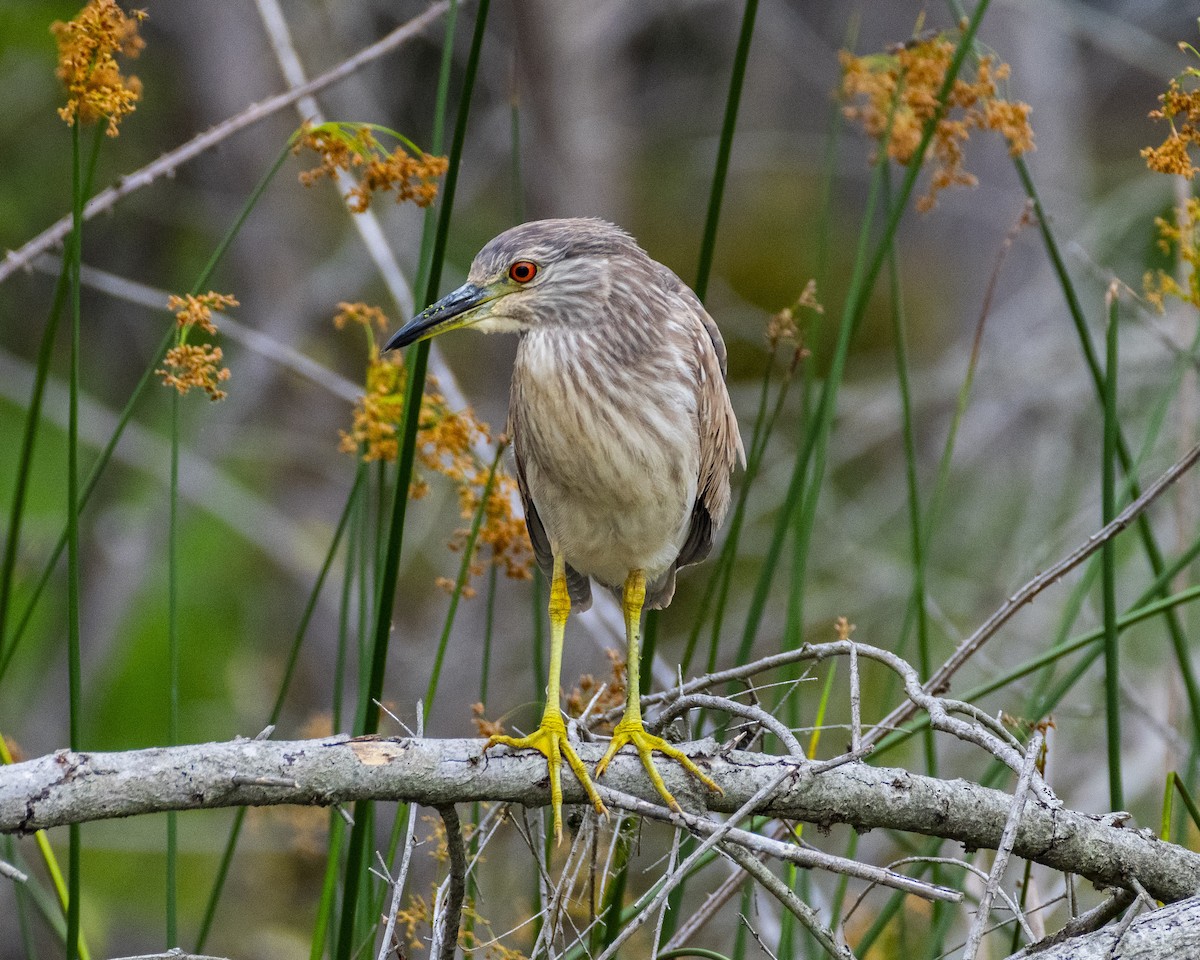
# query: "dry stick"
x,y
166,164
1142,894
804,857
8,870
672,865
366,222
445,940
1126,922
782,892
757,939
939,717
749,711
713,902
983,719
670,883
968,648
855,702
402,877
175,954
563,889
1088,922
1007,838
278,351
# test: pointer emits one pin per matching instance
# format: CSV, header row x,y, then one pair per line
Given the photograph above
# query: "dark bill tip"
x,y
439,316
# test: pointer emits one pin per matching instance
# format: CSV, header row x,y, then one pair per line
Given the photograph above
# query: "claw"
x,y
550,740
631,730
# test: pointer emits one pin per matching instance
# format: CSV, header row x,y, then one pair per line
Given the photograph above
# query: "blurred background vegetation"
x,y
580,109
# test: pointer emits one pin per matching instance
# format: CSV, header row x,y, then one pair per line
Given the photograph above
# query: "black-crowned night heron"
x,y
623,433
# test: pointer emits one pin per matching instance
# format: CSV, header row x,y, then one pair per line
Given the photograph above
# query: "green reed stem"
x,y
460,582
1186,796
1150,545
1108,564
800,500
239,817
33,416
126,414
74,256
916,539
173,666
725,147
386,594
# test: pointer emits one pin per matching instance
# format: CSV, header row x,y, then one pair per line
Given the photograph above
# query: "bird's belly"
x,y
616,496
606,538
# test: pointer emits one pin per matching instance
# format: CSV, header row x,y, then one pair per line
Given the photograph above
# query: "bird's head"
x,y
540,274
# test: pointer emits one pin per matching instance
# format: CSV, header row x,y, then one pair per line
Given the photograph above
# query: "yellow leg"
x,y
550,738
630,729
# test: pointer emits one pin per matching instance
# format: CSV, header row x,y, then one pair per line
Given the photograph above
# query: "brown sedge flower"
x,y
407,171
1181,236
899,89
447,441
190,365
1179,106
87,65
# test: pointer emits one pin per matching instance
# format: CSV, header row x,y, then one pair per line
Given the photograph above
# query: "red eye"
x,y
523,271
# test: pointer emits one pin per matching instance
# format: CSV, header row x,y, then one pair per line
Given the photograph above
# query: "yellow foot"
x,y
631,731
550,740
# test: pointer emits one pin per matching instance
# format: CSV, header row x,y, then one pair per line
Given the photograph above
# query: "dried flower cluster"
x,y
354,147
199,365
1180,107
87,65
899,89
446,443
483,726
192,310
1179,236
608,696
782,326
416,918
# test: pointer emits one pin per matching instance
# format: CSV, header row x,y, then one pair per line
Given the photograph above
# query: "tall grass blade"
x,y
389,573
1108,563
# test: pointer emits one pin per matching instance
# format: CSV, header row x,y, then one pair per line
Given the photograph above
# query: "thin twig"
x,y
1088,922
760,797
563,889
168,163
940,681
385,946
949,861
1147,900
797,907
445,939
749,711
757,937
8,870
715,900
806,857
855,702
1007,838
672,866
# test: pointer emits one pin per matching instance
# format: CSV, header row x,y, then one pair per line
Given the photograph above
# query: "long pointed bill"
x,y
453,310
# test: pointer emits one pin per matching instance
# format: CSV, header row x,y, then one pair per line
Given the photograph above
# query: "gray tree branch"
x,y
1173,931
70,787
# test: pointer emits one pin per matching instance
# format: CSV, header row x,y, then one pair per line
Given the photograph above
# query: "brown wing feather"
x,y
720,446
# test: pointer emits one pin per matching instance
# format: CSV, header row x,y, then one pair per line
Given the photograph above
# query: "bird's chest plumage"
x,y
609,446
